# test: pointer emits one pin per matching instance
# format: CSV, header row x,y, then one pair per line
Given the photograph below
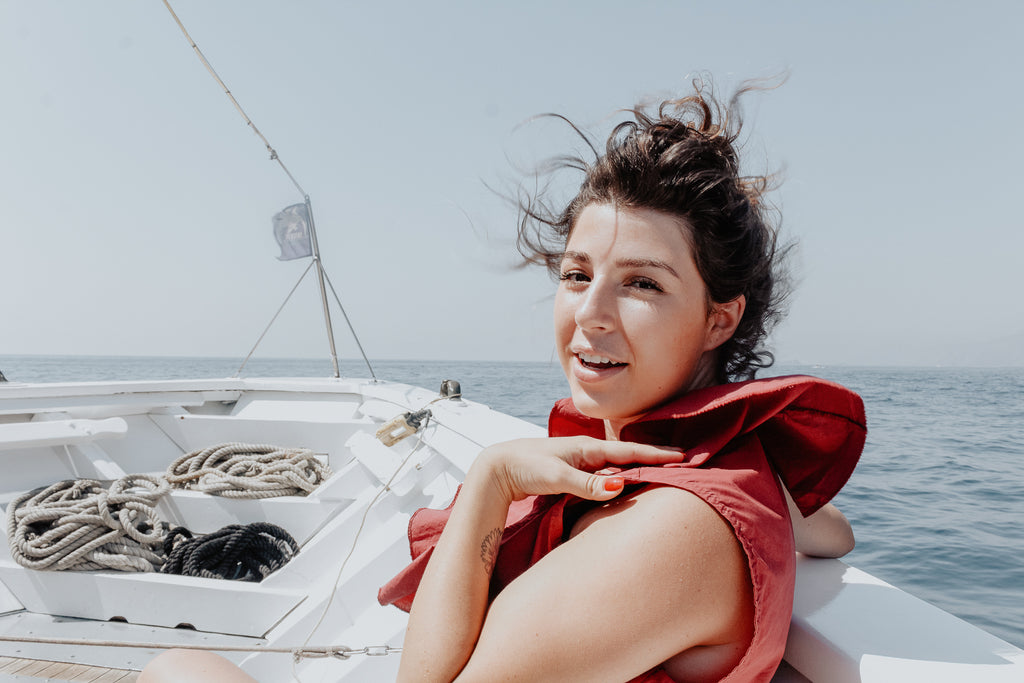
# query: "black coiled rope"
x,y
248,552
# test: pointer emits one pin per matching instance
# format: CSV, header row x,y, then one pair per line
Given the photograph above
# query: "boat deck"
x,y
847,627
16,668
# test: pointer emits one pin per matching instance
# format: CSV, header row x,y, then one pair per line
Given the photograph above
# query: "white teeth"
x,y
597,360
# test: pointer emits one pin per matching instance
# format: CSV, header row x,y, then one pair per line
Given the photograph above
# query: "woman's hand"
x,y
526,467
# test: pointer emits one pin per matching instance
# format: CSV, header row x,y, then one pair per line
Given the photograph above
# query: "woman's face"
x,y
631,314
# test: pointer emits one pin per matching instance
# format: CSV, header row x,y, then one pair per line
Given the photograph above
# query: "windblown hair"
x,y
682,160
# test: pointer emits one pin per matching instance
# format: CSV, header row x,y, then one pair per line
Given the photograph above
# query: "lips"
x,y
597,362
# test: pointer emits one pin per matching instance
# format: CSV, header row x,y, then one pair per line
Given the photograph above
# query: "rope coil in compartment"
x,y
238,470
239,552
80,524
84,524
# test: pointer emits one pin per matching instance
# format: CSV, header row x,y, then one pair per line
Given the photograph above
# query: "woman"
x,y
667,286
650,538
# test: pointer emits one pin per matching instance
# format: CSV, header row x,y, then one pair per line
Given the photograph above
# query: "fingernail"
x,y
614,483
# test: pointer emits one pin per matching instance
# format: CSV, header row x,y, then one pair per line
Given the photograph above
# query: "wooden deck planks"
x,y
63,671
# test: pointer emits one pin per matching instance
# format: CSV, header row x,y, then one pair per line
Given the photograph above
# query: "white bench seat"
x,y
59,432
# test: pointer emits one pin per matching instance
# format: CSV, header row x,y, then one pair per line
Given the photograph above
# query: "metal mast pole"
x,y
320,273
323,288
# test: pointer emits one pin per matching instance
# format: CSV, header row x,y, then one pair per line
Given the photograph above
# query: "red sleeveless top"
x,y
737,439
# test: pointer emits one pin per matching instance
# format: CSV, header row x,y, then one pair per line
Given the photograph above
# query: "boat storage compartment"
x,y
52,449
233,607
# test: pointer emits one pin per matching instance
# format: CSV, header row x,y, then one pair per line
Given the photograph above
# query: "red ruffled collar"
x,y
812,430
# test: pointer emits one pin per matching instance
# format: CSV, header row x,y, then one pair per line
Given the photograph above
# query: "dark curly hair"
x,y
682,161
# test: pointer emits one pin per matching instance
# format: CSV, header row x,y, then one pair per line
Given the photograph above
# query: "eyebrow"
x,y
583,257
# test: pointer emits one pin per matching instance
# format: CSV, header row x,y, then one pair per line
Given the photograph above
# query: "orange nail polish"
x,y
614,483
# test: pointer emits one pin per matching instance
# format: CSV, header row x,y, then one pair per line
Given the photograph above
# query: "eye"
x,y
574,277
645,283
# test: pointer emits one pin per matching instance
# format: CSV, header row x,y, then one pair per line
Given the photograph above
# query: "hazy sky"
x,y
137,206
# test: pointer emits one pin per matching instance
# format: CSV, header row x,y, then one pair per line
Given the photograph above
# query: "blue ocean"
x,y
937,502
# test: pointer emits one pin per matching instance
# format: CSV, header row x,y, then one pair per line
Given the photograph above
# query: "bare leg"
x,y
192,665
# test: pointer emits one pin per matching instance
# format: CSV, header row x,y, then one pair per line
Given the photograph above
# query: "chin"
x,y
599,409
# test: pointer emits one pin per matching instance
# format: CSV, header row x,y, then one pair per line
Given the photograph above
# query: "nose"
x,y
596,307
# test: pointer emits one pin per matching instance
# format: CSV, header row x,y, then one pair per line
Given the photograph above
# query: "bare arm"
x,y
451,600
826,533
450,609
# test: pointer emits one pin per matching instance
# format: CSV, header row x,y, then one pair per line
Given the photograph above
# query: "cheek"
x,y
673,349
564,313
565,325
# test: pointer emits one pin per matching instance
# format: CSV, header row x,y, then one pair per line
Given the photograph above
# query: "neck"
x,y
611,430
703,377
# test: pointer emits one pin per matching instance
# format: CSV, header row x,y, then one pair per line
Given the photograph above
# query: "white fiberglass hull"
x,y
848,626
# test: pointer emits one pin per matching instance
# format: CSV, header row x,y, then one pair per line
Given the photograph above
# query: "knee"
x,y
191,665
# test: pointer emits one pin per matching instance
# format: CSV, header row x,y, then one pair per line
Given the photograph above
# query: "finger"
x,y
595,453
590,486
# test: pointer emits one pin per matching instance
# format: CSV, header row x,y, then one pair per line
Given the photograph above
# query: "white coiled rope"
x,y
239,470
80,525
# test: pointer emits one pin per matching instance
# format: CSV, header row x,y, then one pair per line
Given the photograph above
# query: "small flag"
x,y
291,230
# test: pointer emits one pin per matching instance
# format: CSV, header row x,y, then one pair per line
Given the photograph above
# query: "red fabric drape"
x,y
736,439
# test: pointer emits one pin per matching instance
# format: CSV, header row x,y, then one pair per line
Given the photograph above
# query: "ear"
x,y
723,321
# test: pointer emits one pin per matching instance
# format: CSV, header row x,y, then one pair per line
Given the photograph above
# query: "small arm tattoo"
x,y
489,549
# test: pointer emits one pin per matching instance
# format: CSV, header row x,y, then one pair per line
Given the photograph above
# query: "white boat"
x,y
317,618
847,625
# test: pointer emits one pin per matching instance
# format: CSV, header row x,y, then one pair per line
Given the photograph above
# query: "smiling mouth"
x,y
597,362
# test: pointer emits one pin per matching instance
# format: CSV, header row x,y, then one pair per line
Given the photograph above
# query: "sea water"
x,y
937,501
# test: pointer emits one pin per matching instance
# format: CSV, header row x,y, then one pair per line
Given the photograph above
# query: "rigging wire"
x,y
355,540
302,277
349,323
209,67
305,652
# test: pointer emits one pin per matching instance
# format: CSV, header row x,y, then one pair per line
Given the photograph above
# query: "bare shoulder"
x,y
657,573
661,508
